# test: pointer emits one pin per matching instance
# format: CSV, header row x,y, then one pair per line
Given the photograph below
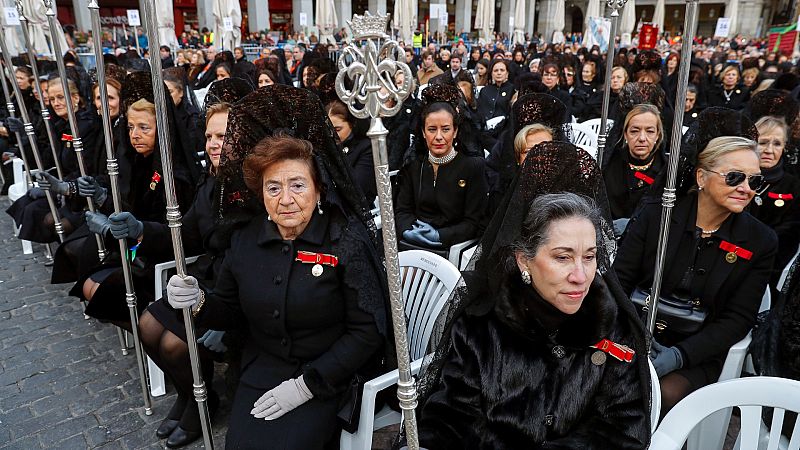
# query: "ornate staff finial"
x,y
369,26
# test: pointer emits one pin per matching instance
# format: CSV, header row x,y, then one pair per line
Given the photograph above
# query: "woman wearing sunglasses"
x,y
718,262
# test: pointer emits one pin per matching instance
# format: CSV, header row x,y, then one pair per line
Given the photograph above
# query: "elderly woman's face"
x,y
142,131
290,196
532,140
215,135
499,73
730,78
771,145
617,80
641,135
732,198
565,265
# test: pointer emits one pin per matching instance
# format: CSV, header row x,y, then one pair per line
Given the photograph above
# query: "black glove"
x,y
15,125
124,225
51,183
98,222
89,187
35,193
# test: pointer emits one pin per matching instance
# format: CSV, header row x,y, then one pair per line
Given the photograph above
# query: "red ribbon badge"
x,y
736,250
66,137
780,196
619,351
156,177
317,258
643,177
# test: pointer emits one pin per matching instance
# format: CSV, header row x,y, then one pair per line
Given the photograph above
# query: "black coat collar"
x,y
314,234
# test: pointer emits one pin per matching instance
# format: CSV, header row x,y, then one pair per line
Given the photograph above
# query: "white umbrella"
x,y
558,23
732,13
627,21
39,29
519,22
404,19
658,16
10,34
484,19
326,21
592,10
166,24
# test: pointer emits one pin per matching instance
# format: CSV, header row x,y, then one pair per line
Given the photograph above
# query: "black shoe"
x,y
167,427
181,437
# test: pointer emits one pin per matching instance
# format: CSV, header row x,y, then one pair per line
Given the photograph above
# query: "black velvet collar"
x,y
313,234
774,174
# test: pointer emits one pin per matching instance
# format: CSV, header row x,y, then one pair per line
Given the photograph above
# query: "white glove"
x,y
280,400
182,292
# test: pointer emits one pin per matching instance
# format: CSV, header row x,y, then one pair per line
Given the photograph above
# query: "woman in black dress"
x,y
495,98
356,146
719,257
314,324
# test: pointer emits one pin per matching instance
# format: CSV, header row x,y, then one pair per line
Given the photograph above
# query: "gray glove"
x,y
89,187
15,125
124,225
212,339
97,222
183,292
51,183
281,399
35,193
665,359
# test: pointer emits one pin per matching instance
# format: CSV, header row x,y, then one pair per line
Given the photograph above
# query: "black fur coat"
x,y
508,384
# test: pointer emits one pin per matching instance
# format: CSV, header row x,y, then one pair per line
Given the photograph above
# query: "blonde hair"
x,y
721,146
522,135
727,69
750,71
142,105
767,124
644,108
73,88
624,73
217,108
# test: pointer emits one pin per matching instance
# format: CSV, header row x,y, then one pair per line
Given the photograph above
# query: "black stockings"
x,y
674,388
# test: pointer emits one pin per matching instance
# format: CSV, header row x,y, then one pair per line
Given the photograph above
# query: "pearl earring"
x,y
269,217
526,277
319,206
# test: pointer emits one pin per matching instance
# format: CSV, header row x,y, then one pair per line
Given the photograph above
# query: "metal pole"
x,y
30,132
668,197
174,214
136,39
113,173
73,124
45,110
11,113
615,6
372,69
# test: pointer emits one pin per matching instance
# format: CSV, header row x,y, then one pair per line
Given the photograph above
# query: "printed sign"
x,y
648,37
10,16
303,19
723,27
133,18
599,33
227,24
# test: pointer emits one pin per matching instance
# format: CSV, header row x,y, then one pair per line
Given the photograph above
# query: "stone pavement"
x,y
64,383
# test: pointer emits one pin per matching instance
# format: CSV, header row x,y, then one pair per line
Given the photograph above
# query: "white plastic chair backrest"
x,y
766,301
684,129
583,135
750,395
655,395
595,125
428,279
478,92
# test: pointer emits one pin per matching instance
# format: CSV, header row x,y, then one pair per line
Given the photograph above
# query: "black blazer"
x,y
358,154
624,188
739,97
454,204
494,101
731,291
784,219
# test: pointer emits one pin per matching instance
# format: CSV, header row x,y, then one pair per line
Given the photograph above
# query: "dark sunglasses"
x,y
735,178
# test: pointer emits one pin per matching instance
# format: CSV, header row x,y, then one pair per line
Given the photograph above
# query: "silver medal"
x,y
598,358
758,200
316,270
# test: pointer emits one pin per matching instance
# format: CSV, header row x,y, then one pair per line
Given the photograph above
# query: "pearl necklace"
x,y
440,161
708,232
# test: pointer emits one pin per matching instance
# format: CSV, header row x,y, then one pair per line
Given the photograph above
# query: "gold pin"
x,y
598,358
731,257
462,183
152,185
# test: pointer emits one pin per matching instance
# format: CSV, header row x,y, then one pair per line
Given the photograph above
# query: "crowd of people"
x,y
544,345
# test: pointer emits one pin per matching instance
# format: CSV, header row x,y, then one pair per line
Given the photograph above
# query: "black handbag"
x,y
674,314
350,411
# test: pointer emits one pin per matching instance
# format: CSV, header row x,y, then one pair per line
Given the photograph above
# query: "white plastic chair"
x,y
785,272
428,280
655,395
750,395
157,385
18,189
710,433
583,135
684,129
594,124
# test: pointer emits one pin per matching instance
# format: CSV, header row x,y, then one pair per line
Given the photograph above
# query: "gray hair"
x,y
546,209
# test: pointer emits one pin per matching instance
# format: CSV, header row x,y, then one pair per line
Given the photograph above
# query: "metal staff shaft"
x,y
73,123
45,110
31,137
669,197
113,173
372,71
174,213
12,113
615,6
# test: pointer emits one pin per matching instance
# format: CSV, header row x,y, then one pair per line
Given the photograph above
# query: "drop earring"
x,y
319,207
526,277
269,217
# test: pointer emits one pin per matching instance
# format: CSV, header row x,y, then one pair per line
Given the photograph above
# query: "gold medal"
x,y
462,183
152,185
779,202
731,257
598,358
316,270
